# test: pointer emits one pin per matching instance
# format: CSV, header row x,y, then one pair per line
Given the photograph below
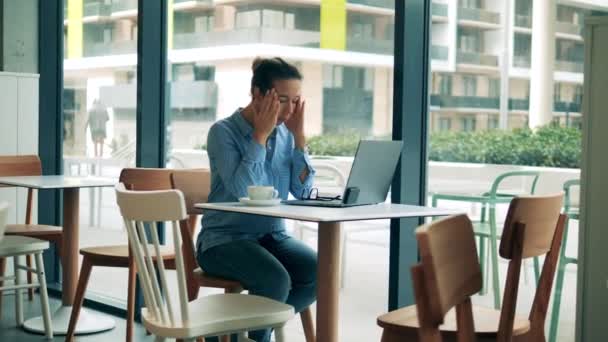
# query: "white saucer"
x,y
260,203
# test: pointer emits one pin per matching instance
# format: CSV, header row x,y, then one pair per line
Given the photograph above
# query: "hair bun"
x,y
256,63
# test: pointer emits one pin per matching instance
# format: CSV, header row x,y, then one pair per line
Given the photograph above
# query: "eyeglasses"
x,y
313,194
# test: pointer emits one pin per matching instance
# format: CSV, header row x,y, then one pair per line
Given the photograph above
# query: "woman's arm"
x,y
236,171
302,172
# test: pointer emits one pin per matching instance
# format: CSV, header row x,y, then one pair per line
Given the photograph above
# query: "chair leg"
x,y
44,298
131,300
536,271
308,325
83,279
482,259
18,292
30,291
279,334
2,271
559,285
494,256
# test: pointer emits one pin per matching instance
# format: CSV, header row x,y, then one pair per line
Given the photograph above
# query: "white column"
x,y
543,61
312,92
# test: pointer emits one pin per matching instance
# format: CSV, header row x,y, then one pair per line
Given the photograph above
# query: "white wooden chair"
x,y
213,315
17,246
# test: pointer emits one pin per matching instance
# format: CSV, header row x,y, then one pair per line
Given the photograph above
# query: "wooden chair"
x,y
446,277
195,185
16,246
27,165
207,316
139,179
534,227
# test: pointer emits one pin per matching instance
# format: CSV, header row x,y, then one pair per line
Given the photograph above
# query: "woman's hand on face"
x,y
295,123
265,117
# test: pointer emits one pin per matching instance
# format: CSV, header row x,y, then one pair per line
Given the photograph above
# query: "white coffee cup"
x,y
257,192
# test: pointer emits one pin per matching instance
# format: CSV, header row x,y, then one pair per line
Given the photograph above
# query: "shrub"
x,y
549,146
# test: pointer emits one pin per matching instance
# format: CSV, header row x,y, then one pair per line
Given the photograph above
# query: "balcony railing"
x,y
124,5
476,14
375,3
197,1
450,101
247,36
378,46
569,28
522,61
477,58
522,20
184,94
96,9
439,9
558,106
112,48
569,66
439,52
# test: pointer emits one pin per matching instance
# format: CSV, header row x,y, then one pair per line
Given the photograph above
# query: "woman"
x,y
261,144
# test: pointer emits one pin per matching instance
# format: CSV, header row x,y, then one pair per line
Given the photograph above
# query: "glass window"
x,y
469,85
445,124
468,124
99,110
347,98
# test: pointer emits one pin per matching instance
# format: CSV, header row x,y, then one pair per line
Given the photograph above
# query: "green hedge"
x,y
550,146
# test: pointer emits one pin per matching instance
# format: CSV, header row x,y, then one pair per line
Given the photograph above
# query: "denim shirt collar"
x,y
244,127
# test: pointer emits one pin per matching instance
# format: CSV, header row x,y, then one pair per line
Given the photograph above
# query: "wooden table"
x,y
328,249
87,322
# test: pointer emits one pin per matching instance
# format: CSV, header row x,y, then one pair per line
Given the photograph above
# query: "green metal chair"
x,y
487,228
572,211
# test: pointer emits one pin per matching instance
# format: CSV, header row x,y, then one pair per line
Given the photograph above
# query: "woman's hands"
x,y
265,116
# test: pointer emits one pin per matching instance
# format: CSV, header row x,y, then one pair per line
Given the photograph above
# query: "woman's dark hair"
x,y
268,70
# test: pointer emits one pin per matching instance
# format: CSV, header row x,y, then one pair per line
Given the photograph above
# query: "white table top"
x,y
320,214
57,182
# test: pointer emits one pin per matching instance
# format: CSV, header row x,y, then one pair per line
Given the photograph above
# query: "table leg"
x,y
87,322
69,256
328,280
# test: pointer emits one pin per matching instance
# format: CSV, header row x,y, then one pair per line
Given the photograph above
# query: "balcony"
x,y
522,61
202,2
439,9
478,15
450,101
124,5
184,94
568,28
247,36
390,4
369,45
558,106
523,20
193,94
439,52
96,9
108,49
569,66
476,58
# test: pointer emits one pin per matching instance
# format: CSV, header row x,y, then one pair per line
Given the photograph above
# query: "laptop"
x,y
370,176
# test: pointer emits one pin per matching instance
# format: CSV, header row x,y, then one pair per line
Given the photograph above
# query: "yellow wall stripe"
x,y
333,24
75,8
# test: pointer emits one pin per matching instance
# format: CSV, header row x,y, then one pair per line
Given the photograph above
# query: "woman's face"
x,y
289,92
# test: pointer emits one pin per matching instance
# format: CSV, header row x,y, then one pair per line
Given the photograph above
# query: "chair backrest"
x,y
26,165
3,218
447,276
533,227
140,208
526,177
195,184
146,179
